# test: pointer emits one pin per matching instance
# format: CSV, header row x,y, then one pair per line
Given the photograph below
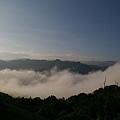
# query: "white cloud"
x,y
61,84
8,55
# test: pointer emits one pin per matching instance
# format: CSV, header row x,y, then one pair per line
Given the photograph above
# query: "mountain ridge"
x,y
41,65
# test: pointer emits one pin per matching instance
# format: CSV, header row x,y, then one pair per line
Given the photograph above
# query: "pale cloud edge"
x,y
10,55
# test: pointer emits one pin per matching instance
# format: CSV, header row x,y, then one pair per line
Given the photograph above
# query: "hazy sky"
x,y
66,29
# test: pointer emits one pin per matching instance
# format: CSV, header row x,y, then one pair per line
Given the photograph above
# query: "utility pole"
x,y
116,83
104,82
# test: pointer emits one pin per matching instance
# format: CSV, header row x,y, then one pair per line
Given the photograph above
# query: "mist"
x,y
28,83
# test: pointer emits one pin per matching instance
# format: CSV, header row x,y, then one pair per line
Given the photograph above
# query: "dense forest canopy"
x,y
102,104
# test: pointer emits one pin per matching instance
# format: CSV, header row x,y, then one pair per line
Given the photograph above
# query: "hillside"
x,y
100,63
41,65
102,104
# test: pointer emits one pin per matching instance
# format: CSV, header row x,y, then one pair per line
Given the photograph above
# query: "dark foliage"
x,y
102,104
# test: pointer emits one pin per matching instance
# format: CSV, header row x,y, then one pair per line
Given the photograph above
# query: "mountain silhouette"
x,y
41,65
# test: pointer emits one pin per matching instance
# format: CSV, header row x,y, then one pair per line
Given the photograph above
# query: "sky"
x,y
66,29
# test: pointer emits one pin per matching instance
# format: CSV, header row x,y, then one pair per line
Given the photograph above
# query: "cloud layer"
x,y
61,84
10,55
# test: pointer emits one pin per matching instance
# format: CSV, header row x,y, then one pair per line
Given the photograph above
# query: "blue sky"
x,y
65,29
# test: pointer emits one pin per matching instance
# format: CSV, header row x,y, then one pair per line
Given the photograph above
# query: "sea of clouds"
x,y
28,83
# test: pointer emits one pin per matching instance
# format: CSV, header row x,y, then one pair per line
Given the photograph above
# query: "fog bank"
x,y
26,83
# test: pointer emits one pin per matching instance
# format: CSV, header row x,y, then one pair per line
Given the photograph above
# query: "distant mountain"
x,y
41,65
100,63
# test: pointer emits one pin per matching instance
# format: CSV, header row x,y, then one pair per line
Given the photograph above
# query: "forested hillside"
x,y
41,65
102,104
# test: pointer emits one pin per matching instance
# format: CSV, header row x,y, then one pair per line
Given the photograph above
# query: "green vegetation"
x,y
102,104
